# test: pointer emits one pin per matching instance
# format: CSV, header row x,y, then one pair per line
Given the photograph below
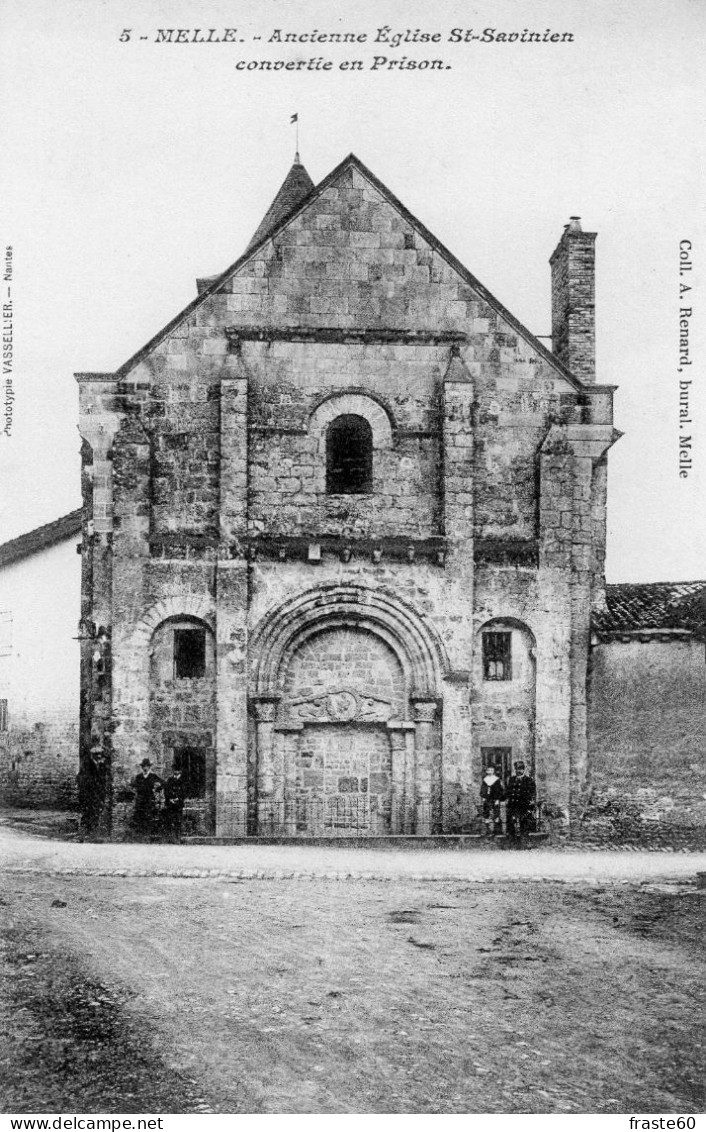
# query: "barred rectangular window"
x,y
192,763
189,653
500,758
497,656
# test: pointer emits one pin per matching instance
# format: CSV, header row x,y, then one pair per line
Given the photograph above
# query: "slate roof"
x,y
652,605
41,538
296,186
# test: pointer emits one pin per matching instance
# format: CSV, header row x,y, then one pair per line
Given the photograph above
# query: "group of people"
x,y
158,804
519,793
158,801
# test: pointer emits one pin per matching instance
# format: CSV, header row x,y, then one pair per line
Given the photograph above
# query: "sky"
x,y
130,167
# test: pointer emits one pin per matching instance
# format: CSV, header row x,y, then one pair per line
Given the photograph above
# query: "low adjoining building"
x,y
647,714
40,594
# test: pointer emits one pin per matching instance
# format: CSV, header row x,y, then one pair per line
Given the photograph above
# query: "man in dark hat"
x,y
92,787
521,792
148,787
174,798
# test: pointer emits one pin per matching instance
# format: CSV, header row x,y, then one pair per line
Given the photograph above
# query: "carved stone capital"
x,y
424,710
265,708
99,430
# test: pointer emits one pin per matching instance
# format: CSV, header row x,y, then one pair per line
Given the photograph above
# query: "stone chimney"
x,y
573,300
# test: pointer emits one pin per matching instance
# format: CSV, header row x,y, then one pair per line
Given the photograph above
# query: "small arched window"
x,y
349,456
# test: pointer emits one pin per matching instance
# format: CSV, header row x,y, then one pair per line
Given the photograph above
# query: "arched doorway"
x,y
347,731
344,685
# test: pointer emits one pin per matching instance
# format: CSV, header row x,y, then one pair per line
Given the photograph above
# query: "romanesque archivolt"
x,y
414,643
356,403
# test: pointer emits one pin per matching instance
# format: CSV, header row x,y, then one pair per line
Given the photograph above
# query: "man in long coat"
x,y
521,793
147,786
92,788
174,798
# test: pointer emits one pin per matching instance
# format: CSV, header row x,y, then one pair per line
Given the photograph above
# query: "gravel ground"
x,y
517,982
21,852
164,994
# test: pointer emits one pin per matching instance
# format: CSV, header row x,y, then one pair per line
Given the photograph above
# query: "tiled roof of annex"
x,y
40,538
644,606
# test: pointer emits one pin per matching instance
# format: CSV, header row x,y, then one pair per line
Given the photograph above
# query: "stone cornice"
x,y
298,548
374,336
645,636
506,552
590,441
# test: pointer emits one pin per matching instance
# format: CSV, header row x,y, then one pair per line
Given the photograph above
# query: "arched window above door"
x,y
349,456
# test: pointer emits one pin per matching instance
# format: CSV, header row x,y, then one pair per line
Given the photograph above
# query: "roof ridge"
x,y
40,538
653,585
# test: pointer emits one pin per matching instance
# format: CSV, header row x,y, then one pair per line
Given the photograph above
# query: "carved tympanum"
x,y
341,705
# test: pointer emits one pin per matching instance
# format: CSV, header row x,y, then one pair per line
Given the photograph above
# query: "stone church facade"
x,y
344,531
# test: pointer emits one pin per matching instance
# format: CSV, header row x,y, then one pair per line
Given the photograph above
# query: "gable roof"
x,y
68,526
652,606
264,235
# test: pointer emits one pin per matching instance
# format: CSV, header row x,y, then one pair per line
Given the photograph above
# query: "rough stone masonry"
x,y
344,527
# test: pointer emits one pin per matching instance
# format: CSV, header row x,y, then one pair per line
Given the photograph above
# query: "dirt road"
x,y
163,993
19,851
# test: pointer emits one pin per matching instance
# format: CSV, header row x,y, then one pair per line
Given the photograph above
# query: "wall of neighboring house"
x,y
39,677
647,740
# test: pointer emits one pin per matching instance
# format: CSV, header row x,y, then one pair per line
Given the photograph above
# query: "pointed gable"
x,y
350,255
